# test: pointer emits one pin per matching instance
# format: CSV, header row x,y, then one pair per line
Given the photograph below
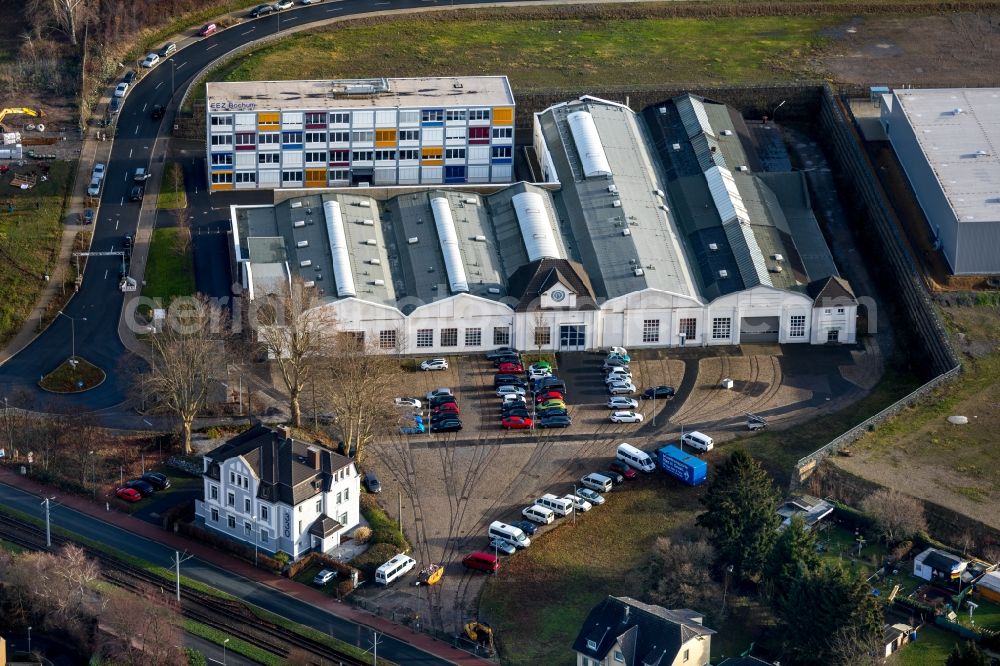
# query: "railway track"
x,y
233,617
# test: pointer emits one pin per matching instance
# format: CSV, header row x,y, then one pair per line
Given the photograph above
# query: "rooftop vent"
x,y
613,188
663,110
364,204
481,239
494,290
378,283
375,262
664,207
742,167
456,85
676,146
626,232
658,193
368,223
956,111
309,283
371,241
982,153
714,247
412,240
305,262
470,201
777,257
638,272
299,223
302,243
775,269
727,132
617,203
296,204
723,273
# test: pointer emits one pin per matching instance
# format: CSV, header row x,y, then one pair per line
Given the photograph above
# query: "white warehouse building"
x,y
621,244
947,141
316,134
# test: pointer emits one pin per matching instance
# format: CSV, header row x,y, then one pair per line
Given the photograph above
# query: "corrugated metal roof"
x,y
536,227
693,116
448,238
588,144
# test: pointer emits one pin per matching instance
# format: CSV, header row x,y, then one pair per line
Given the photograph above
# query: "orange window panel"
x,y
315,177
268,118
221,186
427,162
432,153
385,138
503,116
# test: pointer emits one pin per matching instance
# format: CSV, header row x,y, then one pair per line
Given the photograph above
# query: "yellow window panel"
x,y
432,153
503,116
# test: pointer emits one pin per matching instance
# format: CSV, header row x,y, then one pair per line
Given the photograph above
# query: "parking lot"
x,y
451,486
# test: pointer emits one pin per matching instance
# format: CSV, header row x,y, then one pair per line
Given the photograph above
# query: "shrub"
x,y
181,512
281,557
923,609
269,562
344,588
853,519
195,658
383,528
362,534
377,555
901,550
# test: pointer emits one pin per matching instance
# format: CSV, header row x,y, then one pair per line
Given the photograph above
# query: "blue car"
x,y
416,429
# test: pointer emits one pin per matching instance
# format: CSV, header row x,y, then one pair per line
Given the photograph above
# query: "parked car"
x,y
501,351
579,504
591,496
616,478
136,193
261,10
129,77
549,404
621,388
551,411
121,89
438,392
518,411
555,422
309,2
509,390
538,374
449,407
150,60
502,546
208,29
157,480
446,425
372,484
516,423
88,216
283,4
143,488
618,377
168,49
620,351
506,358
442,416
99,170
128,494
127,241
540,365
614,362
525,526
507,380
407,402
510,368
549,395
622,468
415,429
324,577
434,364
141,175
621,402
658,392
114,106
626,417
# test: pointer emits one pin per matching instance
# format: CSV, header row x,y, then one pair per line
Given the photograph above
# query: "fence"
x,y
915,301
413,622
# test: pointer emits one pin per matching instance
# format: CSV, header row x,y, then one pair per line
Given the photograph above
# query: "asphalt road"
x,y
99,301
259,595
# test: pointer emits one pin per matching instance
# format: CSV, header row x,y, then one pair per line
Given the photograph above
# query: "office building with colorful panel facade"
x,y
264,135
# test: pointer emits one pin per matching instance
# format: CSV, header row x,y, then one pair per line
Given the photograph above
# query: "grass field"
x,y
541,595
930,649
29,242
172,194
548,53
168,273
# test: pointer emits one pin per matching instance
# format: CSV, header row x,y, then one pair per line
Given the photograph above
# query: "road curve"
x,y
99,300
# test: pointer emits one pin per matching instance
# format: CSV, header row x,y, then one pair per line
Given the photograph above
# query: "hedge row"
x,y
384,528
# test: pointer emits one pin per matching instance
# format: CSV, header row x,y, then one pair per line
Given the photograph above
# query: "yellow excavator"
x,y
481,633
24,111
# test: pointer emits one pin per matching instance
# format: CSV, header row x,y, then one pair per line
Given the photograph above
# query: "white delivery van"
x,y
560,505
393,569
515,536
597,482
538,514
697,440
633,457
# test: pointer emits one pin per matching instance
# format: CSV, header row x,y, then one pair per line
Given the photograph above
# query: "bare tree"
x,y
897,515
144,633
354,373
67,16
851,646
187,354
681,575
298,335
182,242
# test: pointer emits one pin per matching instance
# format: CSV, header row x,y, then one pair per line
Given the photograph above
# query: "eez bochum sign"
x,y
232,106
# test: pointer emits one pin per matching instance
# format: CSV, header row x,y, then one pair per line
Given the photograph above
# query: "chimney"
x,y
283,432
627,610
313,453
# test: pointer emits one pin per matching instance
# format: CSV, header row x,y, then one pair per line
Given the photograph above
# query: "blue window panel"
x,y
294,146
435,123
501,160
454,172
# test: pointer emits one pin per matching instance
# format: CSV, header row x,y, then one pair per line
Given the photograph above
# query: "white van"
x,y
393,569
539,514
560,505
633,457
515,536
597,482
697,440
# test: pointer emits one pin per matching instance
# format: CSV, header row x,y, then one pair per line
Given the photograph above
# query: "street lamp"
x,y
72,324
29,640
224,651
775,113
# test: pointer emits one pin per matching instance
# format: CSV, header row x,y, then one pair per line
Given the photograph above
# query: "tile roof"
x,y
533,279
835,288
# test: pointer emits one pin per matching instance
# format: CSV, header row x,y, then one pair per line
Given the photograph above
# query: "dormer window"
x,y
591,644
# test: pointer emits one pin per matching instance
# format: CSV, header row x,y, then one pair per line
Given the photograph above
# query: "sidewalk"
x,y
236,566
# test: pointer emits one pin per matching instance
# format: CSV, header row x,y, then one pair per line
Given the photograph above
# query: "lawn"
x,y
30,234
168,272
173,195
931,647
542,48
541,595
68,378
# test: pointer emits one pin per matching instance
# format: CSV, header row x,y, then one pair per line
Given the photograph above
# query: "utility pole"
x,y
177,564
48,523
374,648
400,510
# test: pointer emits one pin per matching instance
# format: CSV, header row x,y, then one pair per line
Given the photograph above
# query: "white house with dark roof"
x,y
267,489
934,564
620,630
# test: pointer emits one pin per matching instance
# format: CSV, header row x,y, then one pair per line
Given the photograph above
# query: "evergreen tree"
x,y
741,504
794,554
823,604
967,654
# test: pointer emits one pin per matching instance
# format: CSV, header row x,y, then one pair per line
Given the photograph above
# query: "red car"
x,y
128,494
516,422
208,29
549,395
511,369
623,469
449,407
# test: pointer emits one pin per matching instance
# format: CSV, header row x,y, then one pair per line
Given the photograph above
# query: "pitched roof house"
x,y
937,564
620,630
277,493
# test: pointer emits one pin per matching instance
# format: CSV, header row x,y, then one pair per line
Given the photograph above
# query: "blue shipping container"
x,y
686,467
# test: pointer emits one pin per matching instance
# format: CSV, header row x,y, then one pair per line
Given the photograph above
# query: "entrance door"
x,y
572,337
833,335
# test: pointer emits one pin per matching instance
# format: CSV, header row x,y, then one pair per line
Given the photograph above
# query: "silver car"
x,y
621,388
592,496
